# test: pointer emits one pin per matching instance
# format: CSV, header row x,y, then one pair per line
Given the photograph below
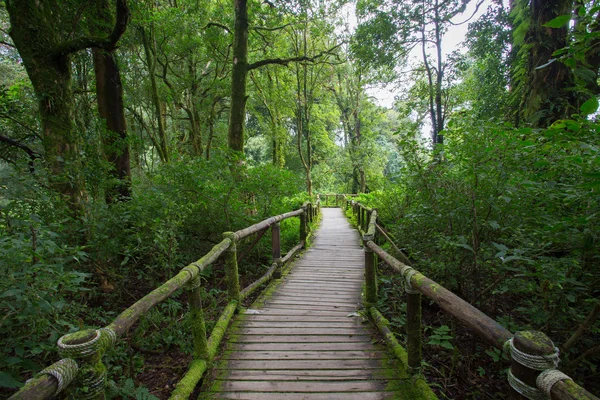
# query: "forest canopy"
x,y
133,133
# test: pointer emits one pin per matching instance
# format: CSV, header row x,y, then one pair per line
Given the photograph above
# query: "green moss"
x,y
220,328
188,383
406,387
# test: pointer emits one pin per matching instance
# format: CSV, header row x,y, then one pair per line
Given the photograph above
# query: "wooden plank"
x,y
301,331
294,311
314,302
303,355
307,396
301,318
341,308
297,324
307,375
300,364
302,387
344,346
364,338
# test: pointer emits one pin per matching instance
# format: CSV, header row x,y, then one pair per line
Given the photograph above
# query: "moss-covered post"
x,y
367,220
87,347
231,268
197,318
303,230
358,216
413,326
535,344
276,248
370,274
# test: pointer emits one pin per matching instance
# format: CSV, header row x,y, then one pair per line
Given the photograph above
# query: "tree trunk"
x,y
150,52
237,116
549,95
109,93
109,96
50,76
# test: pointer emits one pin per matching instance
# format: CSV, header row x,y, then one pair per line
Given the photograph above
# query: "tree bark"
x,y
549,95
237,116
150,52
109,96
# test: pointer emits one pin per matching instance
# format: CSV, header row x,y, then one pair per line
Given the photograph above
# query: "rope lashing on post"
x,y
538,363
546,362
524,389
548,378
109,337
192,270
408,287
94,383
64,371
194,283
79,350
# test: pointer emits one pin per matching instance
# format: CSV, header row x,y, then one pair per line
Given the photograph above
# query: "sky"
x,y
452,41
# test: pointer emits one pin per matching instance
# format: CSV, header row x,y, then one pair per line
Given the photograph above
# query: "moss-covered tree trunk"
x,y
549,94
159,107
46,51
237,113
109,92
109,96
50,74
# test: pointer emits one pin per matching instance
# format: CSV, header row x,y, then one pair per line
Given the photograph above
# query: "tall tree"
x,y
542,89
390,29
109,96
41,33
241,68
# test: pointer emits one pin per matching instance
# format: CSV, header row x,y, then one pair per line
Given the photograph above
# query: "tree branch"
x,y
32,154
218,25
105,43
277,28
286,61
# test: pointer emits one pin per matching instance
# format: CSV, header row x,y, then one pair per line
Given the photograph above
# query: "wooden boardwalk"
x,y
306,340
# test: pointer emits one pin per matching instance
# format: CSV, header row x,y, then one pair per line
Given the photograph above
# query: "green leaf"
x,y
589,107
559,21
8,381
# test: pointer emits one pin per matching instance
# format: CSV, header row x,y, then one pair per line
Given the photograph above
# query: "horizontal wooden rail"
x,y
242,233
487,328
128,317
523,377
88,346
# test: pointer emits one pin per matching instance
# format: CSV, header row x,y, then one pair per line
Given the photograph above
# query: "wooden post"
x,y
276,248
197,317
358,216
367,220
532,343
413,328
303,231
370,278
231,268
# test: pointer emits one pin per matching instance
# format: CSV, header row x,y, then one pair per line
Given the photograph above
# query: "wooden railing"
x,y
81,370
534,358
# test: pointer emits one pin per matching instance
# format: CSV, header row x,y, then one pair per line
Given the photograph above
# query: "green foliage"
x,y
128,390
442,337
512,209
44,277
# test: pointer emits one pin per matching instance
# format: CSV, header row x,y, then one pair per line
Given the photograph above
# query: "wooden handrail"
x,y
128,317
96,342
242,233
487,328
475,320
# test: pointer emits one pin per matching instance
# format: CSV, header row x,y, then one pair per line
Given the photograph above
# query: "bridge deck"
x,y
307,342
